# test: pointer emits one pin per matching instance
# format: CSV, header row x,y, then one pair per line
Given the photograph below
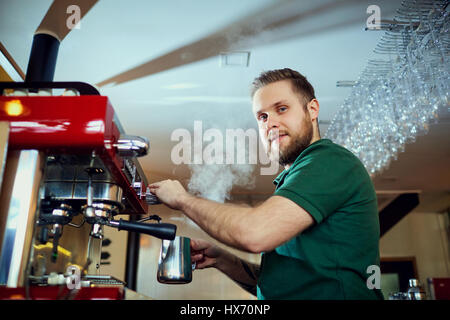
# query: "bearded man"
x,y
319,232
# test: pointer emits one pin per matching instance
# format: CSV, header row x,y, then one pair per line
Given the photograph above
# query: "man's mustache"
x,y
274,134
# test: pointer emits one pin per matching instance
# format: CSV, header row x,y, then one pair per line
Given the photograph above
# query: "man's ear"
x,y
313,108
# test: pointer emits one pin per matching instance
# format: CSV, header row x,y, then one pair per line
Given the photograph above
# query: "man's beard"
x,y
300,142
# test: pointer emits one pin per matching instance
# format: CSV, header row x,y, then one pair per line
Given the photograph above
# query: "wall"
x,y
425,236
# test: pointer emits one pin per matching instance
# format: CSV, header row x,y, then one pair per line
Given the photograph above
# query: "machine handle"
x,y
165,231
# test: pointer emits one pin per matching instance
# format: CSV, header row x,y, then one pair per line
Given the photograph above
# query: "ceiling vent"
x,y
235,59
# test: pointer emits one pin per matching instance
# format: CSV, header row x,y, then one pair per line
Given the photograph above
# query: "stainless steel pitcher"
x,y
174,266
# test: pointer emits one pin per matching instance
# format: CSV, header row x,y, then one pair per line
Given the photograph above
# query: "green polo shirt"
x,y
329,260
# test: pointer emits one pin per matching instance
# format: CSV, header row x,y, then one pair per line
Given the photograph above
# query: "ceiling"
x,y
160,64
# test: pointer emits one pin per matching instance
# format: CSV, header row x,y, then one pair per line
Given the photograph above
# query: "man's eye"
x,y
262,117
282,109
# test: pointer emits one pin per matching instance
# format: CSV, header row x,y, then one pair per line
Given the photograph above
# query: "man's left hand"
x,y
170,192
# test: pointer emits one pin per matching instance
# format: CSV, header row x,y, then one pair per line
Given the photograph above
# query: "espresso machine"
x,y
67,169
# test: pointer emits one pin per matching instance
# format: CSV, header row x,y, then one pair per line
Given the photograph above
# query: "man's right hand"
x,y
204,254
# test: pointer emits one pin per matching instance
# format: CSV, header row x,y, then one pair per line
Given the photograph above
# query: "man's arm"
x,y
257,229
244,273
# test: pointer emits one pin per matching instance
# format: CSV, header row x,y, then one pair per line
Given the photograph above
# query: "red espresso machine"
x,y
67,168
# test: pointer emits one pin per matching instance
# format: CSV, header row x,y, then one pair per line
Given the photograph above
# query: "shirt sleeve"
x,y
319,184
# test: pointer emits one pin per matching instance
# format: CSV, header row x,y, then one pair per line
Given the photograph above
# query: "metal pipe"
x,y
42,62
132,258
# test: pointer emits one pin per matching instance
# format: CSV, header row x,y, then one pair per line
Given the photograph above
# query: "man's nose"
x,y
272,122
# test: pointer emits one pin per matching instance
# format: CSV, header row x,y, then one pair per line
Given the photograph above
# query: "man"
x,y
318,233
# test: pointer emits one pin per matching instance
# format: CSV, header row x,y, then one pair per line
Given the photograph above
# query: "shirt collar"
x,y
283,173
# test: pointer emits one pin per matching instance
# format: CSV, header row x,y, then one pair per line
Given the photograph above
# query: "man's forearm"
x,y
244,273
224,222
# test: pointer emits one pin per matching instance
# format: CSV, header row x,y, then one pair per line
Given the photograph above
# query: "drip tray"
x,y
103,280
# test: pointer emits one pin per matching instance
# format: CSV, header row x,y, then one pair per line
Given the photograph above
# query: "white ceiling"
x,y
171,52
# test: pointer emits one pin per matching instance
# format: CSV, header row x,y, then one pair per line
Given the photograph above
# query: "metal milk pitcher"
x,y
174,266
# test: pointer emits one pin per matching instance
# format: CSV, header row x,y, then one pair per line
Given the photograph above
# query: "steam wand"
x,y
89,213
164,231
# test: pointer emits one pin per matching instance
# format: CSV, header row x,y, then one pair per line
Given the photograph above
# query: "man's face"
x,y
284,126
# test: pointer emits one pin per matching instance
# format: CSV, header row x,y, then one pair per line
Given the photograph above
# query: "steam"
x,y
215,181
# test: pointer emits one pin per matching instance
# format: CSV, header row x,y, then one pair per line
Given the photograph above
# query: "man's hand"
x,y
207,255
204,254
170,192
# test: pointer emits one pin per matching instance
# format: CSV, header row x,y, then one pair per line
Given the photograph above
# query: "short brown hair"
x,y
299,82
